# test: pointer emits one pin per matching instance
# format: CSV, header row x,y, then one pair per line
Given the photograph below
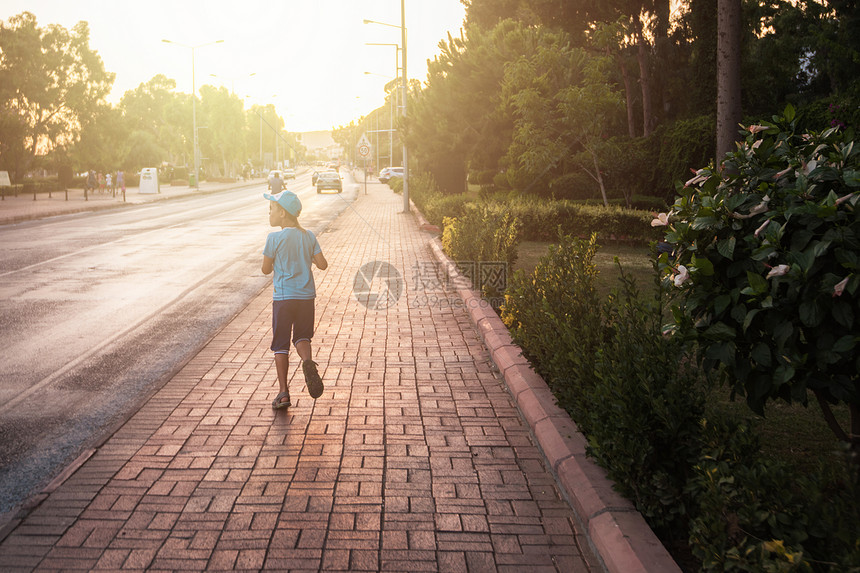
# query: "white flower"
x,y
778,271
757,144
661,221
757,128
839,287
682,276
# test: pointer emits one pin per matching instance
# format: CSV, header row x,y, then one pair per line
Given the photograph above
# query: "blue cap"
x,y
288,200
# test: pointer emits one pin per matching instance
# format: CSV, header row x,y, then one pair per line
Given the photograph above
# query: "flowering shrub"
x,y
766,258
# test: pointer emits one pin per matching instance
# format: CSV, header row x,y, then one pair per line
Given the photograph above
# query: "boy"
x,y
289,253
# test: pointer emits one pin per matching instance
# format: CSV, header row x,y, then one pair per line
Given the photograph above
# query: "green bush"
x,y
755,514
553,314
767,253
645,409
484,233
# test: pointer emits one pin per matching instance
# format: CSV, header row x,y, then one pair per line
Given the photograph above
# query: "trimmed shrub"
x,y
553,314
483,234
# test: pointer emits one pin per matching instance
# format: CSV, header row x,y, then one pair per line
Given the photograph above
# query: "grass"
x,y
635,260
791,432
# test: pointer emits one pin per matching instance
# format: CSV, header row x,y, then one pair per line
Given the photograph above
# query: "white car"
x,y
389,173
289,174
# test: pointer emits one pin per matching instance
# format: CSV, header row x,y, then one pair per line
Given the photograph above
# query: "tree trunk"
x,y
728,75
628,95
642,54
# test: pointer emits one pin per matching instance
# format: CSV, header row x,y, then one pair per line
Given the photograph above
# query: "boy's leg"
x,y
281,327
282,365
304,331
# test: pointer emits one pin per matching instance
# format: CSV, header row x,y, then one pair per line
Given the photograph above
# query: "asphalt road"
x,y
98,309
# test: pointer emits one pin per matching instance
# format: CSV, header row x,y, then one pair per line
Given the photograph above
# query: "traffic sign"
x,y
363,150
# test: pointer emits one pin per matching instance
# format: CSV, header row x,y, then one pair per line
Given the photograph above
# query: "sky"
x,y
308,57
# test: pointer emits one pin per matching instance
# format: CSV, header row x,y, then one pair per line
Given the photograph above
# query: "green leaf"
x,y
783,374
812,312
721,303
726,247
761,355
789,113
757,283
703,265
703,223
720,331
845,344
749,318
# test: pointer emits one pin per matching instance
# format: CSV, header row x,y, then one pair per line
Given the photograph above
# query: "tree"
x,y
728,74
562,105
155,108
222,140
50,81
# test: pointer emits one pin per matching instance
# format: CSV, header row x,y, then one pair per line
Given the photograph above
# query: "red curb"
x,y
617,532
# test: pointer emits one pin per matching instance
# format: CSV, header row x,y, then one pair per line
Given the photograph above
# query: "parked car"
x,y
389,173
329,180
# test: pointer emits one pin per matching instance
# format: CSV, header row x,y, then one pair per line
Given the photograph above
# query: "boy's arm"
x,y
268,265
320,262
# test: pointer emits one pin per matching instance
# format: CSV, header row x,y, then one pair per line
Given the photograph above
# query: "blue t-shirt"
x,y
292,250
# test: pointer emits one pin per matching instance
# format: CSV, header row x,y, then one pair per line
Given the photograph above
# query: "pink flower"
x,y
844,198
761,207
757,128
661,220
682,276
839,287
700,176
783,172
778,271
762,228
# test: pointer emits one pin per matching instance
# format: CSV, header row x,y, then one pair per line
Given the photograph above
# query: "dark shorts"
x,y
291,317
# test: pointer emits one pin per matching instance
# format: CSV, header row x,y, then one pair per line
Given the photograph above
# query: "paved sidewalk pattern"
x,y
415,458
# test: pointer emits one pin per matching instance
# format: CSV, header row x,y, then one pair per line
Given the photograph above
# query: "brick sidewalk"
x,y
415,458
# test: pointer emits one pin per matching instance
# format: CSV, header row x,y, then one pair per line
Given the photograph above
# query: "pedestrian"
x,y
120,181
101,182
91,180
289,253
109,182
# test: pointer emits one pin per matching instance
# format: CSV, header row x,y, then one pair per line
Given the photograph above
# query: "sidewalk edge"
x,y
616,531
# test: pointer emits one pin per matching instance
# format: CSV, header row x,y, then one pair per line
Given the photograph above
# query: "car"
x,y
289,174
389,173
329,180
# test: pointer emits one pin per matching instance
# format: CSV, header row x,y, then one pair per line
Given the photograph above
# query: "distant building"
x,y
320,144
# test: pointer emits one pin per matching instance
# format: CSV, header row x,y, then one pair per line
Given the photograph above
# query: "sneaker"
x,y
312,378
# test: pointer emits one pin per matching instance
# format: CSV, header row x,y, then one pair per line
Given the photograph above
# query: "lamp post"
x,y
405,79
233,80
194,105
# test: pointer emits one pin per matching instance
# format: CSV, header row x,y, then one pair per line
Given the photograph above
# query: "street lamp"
x,y
194,105
233,80
405,77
